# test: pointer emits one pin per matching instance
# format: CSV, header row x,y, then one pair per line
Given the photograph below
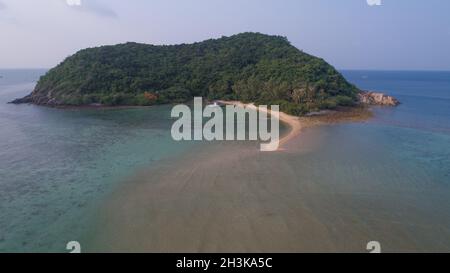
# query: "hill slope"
x,y
248,67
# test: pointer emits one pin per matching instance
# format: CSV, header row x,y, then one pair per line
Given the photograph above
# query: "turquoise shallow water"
x,y
56,166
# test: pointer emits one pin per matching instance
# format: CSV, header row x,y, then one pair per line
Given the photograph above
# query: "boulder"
x,y
376,98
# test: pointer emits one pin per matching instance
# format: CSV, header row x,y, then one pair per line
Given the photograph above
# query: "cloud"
x,y
92,6
2,6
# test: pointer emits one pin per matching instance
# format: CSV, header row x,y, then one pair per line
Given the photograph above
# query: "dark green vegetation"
x,y
249,67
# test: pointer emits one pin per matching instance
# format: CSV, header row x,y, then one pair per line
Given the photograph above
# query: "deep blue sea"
x,y
56,165
417,132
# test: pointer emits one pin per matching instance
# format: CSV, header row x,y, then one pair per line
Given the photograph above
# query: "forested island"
x,y
249,67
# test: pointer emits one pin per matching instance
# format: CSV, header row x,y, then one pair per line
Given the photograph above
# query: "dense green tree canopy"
x,y
250,67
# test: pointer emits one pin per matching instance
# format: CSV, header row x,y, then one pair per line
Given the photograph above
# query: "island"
x,y
247,67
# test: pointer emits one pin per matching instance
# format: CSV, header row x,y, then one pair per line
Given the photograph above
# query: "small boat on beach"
x,y
215,104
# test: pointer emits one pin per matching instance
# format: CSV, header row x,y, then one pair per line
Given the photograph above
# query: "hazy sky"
x,y
399,34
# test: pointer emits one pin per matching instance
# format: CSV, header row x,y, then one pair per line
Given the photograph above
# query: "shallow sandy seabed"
x,y
230,197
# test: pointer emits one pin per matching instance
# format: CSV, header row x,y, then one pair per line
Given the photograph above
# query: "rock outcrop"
x,y
38,99
26,99
376,98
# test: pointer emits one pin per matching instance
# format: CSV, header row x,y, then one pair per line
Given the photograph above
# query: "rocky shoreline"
x,y
377,98
364,98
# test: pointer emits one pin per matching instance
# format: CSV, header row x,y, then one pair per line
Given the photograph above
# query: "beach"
x,y
230,197
296,124
293,122
215,127
346,178
225,197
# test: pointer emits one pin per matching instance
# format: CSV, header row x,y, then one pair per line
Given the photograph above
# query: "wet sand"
x,y
293,122
230,197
